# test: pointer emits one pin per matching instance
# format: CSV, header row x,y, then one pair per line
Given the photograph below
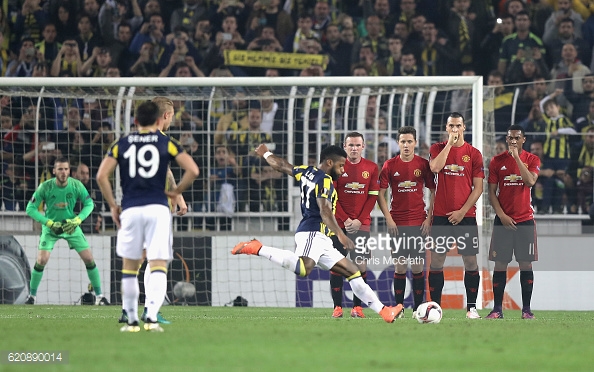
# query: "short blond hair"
x,y
163,103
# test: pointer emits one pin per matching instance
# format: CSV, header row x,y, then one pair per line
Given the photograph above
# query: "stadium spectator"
x,y
569,67
110,18
92,224
581,102
229,7
68,61
97,64
146,64
501,104
491,43
180,50
91,8
229,29
14,188
392,62
563,12
567,34
188,15
152,32
87,37
407,66
29,21
438,57
119,48
519,45
374,39
370,60
347,35
582,161
408,9
64,19
461,30
549,188
24,64
304,32
520,72
321,16
49,47
202,36
271,14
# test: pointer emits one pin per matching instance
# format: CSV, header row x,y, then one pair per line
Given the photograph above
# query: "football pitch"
x,y
295,339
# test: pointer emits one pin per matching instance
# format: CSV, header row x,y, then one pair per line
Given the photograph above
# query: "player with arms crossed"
x,y
167,113
357,193
511,177
60,195
143,158
312,238
460,172
406,174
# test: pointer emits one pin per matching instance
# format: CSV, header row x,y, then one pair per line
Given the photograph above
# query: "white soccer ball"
x,y
184,290
429,312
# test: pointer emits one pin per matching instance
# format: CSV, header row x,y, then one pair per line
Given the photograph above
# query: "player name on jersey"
x,y
133,138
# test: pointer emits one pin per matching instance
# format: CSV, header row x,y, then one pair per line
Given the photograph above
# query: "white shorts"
x,y
147,227
318,247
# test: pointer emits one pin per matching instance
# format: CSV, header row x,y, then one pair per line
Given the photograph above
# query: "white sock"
x,y
130,293
287,259
366,294
155,294
147,276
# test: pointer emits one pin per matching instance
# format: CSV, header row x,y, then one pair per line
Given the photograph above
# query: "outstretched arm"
x,y
277,163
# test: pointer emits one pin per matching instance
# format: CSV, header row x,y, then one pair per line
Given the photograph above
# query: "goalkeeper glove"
x,y
71,224
56,227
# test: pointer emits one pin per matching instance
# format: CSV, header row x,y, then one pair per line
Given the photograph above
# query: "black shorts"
x,y
409,243
463,236
361,251
521,242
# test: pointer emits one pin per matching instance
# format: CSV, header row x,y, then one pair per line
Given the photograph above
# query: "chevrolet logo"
x,y
354,186
454,167
513,178
407,184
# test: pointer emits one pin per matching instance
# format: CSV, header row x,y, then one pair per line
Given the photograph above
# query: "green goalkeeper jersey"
x,y
60,201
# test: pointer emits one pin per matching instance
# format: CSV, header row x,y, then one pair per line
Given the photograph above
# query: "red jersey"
x,y
407,180
357,188
454,181
513,194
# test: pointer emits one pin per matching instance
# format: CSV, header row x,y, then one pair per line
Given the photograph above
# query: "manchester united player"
x,y
511,176
357,193
460,173
407,174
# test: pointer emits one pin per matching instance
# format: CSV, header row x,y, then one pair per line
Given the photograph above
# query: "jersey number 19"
x,y
138,161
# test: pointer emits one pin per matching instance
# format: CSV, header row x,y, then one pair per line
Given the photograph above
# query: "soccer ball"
x,y
184,290
429,312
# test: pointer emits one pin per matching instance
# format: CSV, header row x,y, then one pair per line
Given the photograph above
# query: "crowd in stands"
x,y
538,56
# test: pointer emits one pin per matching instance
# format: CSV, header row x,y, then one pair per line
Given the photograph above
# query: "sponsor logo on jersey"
x,y
513,178
365,174
60,205
354,186
454,167
417,172
465,158
407,184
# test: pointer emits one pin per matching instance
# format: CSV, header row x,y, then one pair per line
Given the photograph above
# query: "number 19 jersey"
x,y
143,158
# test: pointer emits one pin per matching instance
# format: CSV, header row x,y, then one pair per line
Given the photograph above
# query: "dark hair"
x,y
407,130
567,20
522,12
61,159
517,127
147,114
354,135
333,153
456,115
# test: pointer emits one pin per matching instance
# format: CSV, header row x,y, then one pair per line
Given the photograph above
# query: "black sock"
x,y
336,281
471,282
527,283
418,284
38,267
357,300
399,287
499,279
435,284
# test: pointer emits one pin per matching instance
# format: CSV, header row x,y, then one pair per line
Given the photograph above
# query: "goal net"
x,y
219,121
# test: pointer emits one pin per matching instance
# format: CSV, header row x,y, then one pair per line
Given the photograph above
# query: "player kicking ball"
x,y
60,195
312,238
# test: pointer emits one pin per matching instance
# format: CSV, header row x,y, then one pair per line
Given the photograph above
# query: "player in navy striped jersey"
x,y
143,158
312,238
511,176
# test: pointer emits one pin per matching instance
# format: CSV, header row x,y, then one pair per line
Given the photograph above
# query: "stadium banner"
x,y
191,263
264,284
253,58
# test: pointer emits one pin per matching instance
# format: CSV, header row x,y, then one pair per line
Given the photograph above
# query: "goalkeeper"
x,y
60,222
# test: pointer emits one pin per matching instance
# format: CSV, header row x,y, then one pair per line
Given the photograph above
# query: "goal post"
x,y
310,112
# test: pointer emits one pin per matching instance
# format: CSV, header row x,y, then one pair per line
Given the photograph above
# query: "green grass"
x,y
271,339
